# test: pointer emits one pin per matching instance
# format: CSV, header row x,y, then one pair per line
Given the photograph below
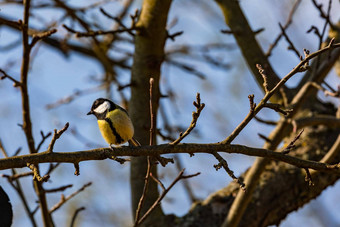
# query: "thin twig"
x,y
39,36
152,120
77,171
145,190
223,163
43,138
278,108
56,136
75,215
52,167
188,188
265,138
268,122
195,115
17,152
298,68
17,176
97,33
77,93
64,199
326,16
174,35
157,202
16,83
61,188
264,76
291,44
186,67
17,187
148,171
157,181
291,145
308,177
117,19
119,160
332,93
285,27
36,175
252,104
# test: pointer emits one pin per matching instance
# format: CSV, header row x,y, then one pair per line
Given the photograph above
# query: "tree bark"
x,y
148,57
251,50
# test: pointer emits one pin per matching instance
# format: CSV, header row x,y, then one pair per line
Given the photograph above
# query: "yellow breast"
x,y
116,128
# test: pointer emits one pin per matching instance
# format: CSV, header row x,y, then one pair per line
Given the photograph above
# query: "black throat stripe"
x,y
119,139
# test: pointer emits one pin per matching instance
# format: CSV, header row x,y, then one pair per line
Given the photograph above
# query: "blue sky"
x,y
224,92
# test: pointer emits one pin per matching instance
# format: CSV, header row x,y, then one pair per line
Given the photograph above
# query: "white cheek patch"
x,y
102,107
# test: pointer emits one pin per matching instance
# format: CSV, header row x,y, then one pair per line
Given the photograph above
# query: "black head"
x,y
100,107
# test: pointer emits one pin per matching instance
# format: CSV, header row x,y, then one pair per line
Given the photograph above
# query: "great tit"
x,y
114,122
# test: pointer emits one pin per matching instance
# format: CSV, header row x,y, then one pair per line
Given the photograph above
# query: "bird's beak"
x,y
89,113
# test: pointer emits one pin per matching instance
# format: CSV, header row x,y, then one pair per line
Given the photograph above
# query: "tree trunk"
x,y
147,60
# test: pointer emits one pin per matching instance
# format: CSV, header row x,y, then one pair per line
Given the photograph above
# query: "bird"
x,y
114,122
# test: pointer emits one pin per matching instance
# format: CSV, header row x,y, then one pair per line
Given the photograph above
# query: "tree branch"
x,y
165,191
263,103
64,199
195,116
246,41
104,153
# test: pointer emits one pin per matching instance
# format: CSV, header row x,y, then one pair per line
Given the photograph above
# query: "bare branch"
x,y
285,27
75,215
188,188
291,145
36,175
17,187
291,45
17,176
77,93
265,138
97,33
268,122
333,93
157,181
145,190
299,68
152,119
5,75
77,171
39,36
278,108
189,148
308,177
264,76
157,202
64,199
174,35
61,188
56,136
326,16
195,115
43,138
223,163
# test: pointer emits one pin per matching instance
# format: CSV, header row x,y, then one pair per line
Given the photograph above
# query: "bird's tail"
x,y
134,142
